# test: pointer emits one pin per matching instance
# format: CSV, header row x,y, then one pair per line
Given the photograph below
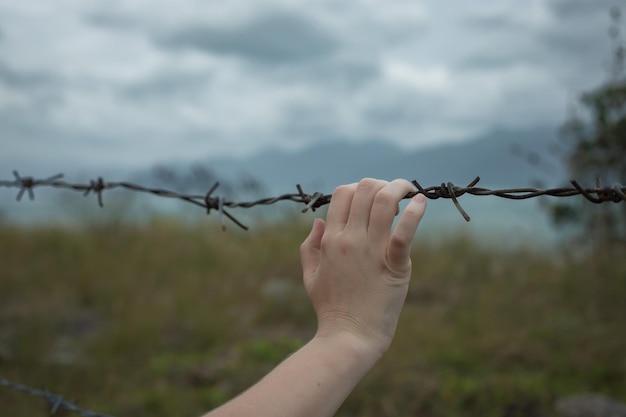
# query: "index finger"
x,y
385,207
339,208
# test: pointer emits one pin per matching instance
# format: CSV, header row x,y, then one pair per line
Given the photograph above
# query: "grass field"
x,y
165,320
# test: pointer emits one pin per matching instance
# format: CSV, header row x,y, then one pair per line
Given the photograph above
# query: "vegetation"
x,y
595,146
172,320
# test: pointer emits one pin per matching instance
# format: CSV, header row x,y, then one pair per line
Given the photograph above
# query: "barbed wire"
x,y
57,402
599,194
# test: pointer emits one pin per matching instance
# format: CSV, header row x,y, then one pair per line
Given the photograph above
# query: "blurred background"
x,y
285,92
511,314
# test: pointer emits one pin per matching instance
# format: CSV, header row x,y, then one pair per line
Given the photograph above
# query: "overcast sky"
x,y
130,83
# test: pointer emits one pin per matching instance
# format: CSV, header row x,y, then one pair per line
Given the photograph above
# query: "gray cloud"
x,y
496,22
577,47
402,108
166,85
25,80
489,61
29,98
278,37
308,121
110,20
574,48
148,82
334,75
498,41
581,8
570,42
31,144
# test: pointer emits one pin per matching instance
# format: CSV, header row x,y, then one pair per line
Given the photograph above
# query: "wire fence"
x,y
210,201
56,402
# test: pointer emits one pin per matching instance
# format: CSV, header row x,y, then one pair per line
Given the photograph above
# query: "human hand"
x,y
356,269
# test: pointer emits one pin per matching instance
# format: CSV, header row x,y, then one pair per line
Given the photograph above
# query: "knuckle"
x,y
399,241
342,189
326,243
338,245
367,184
385,197
403,182
345,246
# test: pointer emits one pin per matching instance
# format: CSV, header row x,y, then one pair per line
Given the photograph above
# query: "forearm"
x,y
313,382
356,270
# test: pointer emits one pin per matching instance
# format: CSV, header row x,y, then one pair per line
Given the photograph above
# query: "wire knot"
x,y
97,187
602,194
312,201
218,203
26,184
56,401
447,190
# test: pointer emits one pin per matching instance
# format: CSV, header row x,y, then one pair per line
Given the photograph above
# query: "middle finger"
x,y
362,202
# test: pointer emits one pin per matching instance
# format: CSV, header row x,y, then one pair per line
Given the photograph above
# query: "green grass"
x,y
166,320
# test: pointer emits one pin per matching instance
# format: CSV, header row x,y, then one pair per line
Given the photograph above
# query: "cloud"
x,y
334,75
24,80
581,9
567,39
277,37
110,20
489,22
168,84
28,98
146,82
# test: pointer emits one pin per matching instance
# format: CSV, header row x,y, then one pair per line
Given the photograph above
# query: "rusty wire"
x,y
598,194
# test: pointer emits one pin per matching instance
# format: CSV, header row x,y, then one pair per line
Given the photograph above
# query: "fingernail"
x,y
419,198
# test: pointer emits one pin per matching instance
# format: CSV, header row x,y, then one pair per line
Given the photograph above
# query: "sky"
x,y
130,83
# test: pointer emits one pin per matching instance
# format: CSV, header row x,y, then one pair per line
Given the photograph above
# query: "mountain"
x,y
500,158
332,163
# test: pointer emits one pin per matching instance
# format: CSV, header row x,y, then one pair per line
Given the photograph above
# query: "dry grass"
x,y
164,320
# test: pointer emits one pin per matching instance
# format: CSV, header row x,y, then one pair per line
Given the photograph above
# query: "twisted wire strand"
x,y
57,403
599,194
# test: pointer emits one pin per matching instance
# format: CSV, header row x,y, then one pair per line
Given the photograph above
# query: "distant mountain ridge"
x,y
324,166
329,164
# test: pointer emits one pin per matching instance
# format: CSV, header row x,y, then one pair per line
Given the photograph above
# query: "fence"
x,y
57,403
210,201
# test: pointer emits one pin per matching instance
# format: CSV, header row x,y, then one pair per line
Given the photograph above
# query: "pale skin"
x,y
356,271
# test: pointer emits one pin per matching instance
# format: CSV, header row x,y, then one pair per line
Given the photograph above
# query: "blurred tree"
x,y
199,178
594,146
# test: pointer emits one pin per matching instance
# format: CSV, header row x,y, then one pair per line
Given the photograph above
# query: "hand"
x,y
356,269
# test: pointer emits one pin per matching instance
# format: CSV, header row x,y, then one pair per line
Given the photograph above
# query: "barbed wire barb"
x,y
56,401
446,190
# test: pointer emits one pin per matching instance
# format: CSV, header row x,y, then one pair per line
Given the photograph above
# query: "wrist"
x,y
349,345
353,331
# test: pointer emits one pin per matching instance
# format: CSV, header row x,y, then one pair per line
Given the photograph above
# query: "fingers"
x,y
339,209
385,207
362,202
310,248
399,248
371,206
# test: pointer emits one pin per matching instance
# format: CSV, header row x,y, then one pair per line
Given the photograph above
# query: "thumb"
x,y
310,248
